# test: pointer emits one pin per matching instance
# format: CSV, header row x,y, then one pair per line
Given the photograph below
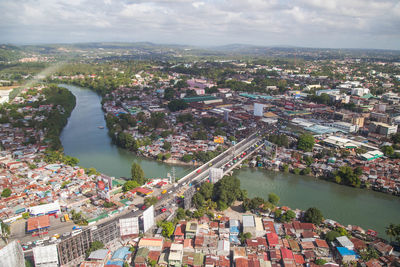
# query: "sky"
x,y
305,23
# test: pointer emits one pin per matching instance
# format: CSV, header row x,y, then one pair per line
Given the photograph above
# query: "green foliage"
x,y
288,216
180,214
244,236
64,184
29,263
137,173
5,228
306,142
226,190
167,229
167,146
387,150
149,201
332,235
296,171
206,189
368,254
305,171
25,215
393,231
313,215
177,104
280,139
187,158
129,185
108,204
186,117
308,160
199,135
78,218
273,198
53,156
6,192
95,245
320,262
198,200
169,93
347,176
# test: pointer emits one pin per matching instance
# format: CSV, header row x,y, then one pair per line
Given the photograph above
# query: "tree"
x,y
150,201
167,229
180,214
347,176
167,146
313,215
273,198
387,150
206,189
288,216
177,104
391,231
186,158
129,185
244,236
305,171
5,229
368,254
198,200
332,235
95,245
137,173
6,192
306,142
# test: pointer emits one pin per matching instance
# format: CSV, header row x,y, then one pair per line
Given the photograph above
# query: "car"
x,y
76,232
24,247
29,243
198,171
158,197
46,238
210,164
53,239
169,192
163,210
56,235
76,227
134,209
143,207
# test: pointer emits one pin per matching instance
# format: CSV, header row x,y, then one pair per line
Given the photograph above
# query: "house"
x,y
175,254
249,225
191,229
151,243
273,240
223,248
344,241
179,233
346,255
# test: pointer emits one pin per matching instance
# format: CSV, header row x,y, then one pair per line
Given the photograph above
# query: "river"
x,y
83,139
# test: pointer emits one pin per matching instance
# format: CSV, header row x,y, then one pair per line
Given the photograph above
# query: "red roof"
x,y
36,223
299,259
273,239
286,253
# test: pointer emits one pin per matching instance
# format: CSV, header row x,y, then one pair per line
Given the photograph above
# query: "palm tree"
x,y
391,231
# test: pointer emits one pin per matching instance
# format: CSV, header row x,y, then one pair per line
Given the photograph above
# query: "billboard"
x,y
148,218
129,226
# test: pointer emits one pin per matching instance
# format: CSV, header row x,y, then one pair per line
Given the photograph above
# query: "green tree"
x,y
273,198
244,236
288,216
167,146
332,235
6,192
177,104
137,173
149,201
387,150
313,215
129,185
187,158
391,231
198,200
167,229
206,189
368,254
306,142
180,214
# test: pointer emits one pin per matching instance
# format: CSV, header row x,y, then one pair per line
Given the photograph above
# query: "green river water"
x,y
82,138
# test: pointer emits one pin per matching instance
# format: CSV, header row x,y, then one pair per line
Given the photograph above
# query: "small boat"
x,y
101,127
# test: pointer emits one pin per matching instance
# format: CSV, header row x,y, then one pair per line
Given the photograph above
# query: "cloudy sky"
x,y
308,23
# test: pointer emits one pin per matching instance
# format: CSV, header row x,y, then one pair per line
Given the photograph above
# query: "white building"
x,y
359,91
258,109
345,126
12,255
46,256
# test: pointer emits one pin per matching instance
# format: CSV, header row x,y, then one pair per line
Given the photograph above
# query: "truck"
x,y
66,218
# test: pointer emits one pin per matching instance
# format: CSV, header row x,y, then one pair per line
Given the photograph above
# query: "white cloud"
x,y
337,23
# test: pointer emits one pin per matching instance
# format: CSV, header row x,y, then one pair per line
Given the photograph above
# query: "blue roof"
x,y
234,229
115,263
233,239
346,252
121,253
